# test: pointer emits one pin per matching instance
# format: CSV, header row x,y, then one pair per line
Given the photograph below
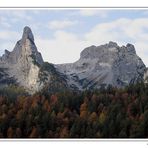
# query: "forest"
x,y
104,113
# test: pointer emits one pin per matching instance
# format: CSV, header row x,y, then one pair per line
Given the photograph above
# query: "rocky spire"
x,y
24,62
27,34
29,48
24,49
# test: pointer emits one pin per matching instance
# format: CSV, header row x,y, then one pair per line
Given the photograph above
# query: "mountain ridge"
x,y
117,64
107,64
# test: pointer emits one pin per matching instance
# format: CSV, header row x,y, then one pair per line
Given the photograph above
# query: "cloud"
x,y
123,31
4,22
8,18
56,24
6,45
63,48
8,40
66,46
94,12
141,49
18,14
8,35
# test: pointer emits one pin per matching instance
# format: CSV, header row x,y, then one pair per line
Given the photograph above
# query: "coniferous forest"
x,y
105,113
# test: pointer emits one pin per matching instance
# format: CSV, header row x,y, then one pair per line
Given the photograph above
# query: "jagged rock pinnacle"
x,y
24,62
112,44
27,34
131,48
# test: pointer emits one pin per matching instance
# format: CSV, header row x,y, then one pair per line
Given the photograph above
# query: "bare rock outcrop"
x,y
105,65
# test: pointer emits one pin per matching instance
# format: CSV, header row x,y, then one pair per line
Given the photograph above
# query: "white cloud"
x,y
63,48
9,35
94,12
56,24
66,47
9,17
141,49
4,22
8,40
123,31
18,14
7,45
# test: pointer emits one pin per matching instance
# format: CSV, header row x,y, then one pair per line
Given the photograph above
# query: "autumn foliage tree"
x,y
103,113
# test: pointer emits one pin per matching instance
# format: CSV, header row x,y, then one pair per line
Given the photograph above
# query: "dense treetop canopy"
x,y
103,113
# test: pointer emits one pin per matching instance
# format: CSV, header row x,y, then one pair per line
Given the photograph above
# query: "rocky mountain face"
x,y
104,65
97,66
24,65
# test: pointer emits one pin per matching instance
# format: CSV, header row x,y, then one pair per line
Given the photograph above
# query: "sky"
x,y
61,34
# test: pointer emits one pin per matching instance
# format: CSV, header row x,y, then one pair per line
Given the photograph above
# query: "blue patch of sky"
x,y
85,23
41,18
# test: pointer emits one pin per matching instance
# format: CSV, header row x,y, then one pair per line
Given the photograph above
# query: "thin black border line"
x,y
71,139
81,7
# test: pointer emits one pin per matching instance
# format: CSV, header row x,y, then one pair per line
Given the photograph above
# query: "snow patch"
x,y
105,64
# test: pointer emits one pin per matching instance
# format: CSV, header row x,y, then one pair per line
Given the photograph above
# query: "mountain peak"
x,y
28,47
112,44
27,34
24,62
96,51
107,64
131,48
